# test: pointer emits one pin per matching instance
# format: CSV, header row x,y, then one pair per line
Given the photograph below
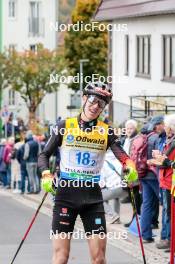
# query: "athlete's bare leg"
x,y
61,249
97,247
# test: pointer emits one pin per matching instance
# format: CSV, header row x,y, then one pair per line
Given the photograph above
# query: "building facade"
x,y
24,24
143,54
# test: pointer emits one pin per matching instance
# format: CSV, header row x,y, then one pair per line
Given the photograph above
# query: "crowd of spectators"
x,y
153,188
18,163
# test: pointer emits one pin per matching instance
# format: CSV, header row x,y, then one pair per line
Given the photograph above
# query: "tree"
x,y
29,74
84,44
65,8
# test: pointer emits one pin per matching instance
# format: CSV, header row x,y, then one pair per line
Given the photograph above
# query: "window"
x,y
169,57
144,56
12,8
12,48
36,23
11,97
33,47
34,9
126,54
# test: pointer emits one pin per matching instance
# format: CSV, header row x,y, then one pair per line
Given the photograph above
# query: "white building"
x,y
25,23
142,51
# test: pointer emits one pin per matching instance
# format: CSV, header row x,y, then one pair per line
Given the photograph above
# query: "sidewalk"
x,y
130,245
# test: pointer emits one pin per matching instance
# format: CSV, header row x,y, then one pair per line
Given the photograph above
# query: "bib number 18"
x,y
84,158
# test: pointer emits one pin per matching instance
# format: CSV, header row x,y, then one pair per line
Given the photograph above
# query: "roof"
x,y
115,9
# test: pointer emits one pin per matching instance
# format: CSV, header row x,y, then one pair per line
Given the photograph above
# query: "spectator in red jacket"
x,y
7,159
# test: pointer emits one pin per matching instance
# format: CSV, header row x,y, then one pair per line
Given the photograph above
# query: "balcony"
x,y
36,27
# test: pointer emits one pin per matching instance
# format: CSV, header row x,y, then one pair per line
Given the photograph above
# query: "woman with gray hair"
x,y
113,191
131,132
165,175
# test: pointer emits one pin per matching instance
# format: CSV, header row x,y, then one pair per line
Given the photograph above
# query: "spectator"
x,y
157,124
3,168
31,152
42,142
149,183
7,159
111,185
58,119
8,126
165,174
161,144
131,133
24,175
21,126
15,167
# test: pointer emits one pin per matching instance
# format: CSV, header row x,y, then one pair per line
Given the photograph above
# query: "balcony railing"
x,y
144,106
36,27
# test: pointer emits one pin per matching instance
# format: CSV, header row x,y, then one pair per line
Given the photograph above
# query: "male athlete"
x,y
83,142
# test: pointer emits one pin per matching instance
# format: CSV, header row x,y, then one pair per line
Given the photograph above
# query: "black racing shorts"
x,y
71,201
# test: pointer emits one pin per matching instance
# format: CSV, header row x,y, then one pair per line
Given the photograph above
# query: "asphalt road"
x,y
37,249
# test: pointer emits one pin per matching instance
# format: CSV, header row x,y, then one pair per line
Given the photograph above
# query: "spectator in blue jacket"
x,y
24,175
157,124
150,183
31,152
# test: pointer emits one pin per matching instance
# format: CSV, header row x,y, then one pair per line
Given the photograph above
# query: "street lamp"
x,y
81,73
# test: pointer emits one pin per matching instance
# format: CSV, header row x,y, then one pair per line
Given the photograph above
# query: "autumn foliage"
x,y
84,44
29,72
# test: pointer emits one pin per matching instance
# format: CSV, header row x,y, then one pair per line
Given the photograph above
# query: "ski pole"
x,y
28,229
138,225
134,210
137,219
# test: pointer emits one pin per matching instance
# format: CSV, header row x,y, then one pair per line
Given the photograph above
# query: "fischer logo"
x,y
90,140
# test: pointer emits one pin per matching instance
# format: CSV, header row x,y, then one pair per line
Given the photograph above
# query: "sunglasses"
x,y
92,99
